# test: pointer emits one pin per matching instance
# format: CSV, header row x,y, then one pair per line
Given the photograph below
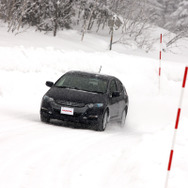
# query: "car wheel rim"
x,y
105,121
123,119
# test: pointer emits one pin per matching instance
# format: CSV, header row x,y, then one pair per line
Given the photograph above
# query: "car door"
x,y
113,101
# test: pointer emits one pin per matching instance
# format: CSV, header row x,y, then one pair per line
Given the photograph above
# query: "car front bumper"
x,y
83,115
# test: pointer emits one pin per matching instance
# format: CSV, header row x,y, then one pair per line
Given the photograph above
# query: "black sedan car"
x,y
86,98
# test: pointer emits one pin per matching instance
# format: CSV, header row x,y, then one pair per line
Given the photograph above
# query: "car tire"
x,y
44,118
123,117
103,122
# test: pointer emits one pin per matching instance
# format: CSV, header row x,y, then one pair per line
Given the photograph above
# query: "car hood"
x,y
74,95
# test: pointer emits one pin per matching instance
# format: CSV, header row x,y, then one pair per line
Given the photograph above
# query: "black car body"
x,y
86,98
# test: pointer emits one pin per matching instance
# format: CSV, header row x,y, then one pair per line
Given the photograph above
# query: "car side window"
x,y
119,85
113,87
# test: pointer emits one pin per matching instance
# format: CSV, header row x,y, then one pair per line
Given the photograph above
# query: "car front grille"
x,y
70,103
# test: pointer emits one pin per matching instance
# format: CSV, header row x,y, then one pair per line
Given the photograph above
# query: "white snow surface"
x,y
38,155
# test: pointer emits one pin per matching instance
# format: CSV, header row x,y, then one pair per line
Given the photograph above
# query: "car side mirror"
x,y
49,84
116,94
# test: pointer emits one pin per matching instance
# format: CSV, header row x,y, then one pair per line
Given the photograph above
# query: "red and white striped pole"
x,y
176,127
160,54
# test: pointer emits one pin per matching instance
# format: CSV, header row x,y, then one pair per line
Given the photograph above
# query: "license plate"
x,y
67,111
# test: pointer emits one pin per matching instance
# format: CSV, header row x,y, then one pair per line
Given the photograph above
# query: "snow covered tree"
x,y
136,17
92,12
55,14
179,22
48,15
180,16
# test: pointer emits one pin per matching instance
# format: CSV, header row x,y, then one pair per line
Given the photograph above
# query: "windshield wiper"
x,y
62,86
94,91
74,88
68,87
98,92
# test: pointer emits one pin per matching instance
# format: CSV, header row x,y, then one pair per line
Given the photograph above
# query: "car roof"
x,y
103,76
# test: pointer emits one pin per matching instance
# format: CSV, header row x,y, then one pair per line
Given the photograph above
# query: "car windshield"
x,y
83,82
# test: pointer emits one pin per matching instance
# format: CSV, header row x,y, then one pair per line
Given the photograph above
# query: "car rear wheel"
x,y
103,123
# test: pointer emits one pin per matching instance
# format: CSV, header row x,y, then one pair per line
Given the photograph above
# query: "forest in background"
x,y
134,17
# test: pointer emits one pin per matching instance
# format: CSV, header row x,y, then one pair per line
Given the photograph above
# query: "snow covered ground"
x,y
38,155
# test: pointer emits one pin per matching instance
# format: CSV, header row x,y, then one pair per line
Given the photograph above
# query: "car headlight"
x,y
95,105
48,99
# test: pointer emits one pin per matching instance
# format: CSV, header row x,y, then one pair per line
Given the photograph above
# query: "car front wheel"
x,y
44,118
103,123
123,117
